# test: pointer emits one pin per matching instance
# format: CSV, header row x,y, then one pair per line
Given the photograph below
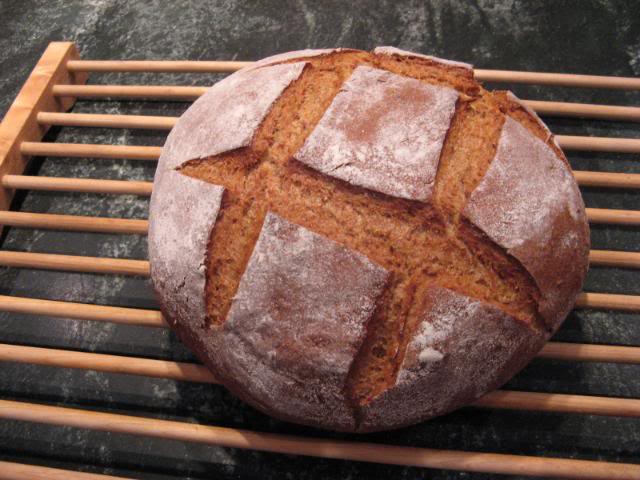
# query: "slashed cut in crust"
x,y
362,240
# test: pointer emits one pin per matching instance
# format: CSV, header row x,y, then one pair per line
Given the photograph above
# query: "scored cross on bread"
x,y
317,214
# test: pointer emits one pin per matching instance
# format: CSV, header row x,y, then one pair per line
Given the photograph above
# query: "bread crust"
x,y
305,305
290,337
226,117
529,204
383,132
178,238
462,349
298,55
405,53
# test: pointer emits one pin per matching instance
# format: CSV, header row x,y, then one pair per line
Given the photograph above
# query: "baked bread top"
x,y
361,240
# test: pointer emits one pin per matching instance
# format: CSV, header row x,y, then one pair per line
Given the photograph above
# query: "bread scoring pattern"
x,y
415,229
287,313
245,98
448,362
174,234
510,206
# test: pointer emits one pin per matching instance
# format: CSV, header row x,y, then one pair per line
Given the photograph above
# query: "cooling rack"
x,y
51,90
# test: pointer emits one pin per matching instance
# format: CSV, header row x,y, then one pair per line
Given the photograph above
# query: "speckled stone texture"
x,y
599,37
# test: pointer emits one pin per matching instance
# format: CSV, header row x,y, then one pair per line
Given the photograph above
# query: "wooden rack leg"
x,y
20,123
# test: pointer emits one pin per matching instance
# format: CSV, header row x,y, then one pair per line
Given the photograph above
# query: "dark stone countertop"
x,y
596,37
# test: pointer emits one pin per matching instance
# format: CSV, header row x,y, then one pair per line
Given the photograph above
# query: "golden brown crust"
x,y
529,204
383,132
291,333
429,246
461,349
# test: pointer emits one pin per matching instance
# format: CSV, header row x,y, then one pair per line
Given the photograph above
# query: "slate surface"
x,y
597,37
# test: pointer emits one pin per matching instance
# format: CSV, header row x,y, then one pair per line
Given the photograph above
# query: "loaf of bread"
x,y
359,241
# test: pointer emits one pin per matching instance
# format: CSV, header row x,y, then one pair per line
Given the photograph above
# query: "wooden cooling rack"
x,y
52,88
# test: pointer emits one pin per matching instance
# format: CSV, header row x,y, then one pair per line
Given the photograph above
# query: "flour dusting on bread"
x,y
529,203
226,117
360,241
383,132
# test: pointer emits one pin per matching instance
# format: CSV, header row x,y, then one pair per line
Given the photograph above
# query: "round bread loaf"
x,y
363,240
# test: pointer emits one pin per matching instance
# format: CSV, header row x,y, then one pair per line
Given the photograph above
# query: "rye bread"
x,y
362,240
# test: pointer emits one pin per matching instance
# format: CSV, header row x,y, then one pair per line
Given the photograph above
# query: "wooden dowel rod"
x,y
557,109
121,266
74,263
318,447
107,120
104,120
612,258
153,318
190,372
53,357
74,222
604,144
20,471
134,226
589,352
181,93
483,75
608,301
609,216
607,179
599,144
585,110
90,185
170,66
128,187
558,79
176,92
82,311
558,402
89,150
